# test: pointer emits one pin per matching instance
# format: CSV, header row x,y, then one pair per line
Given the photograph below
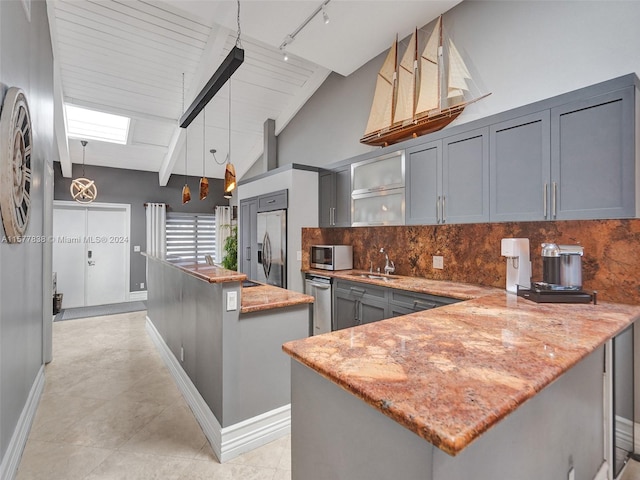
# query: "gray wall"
x,y
135,187
26,61
521,52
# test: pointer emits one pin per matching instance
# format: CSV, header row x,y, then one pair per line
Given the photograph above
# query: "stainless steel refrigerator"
x,y
272,248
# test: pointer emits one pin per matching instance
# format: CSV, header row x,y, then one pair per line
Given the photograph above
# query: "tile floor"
x,y
110,410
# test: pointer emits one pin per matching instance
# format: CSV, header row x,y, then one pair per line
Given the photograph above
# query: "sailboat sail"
x,y
429,93
458,73
383,99
406,99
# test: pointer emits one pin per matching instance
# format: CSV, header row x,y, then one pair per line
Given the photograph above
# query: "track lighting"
x,y
289,38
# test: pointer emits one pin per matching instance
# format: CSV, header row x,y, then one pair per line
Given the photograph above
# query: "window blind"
x,y
191,236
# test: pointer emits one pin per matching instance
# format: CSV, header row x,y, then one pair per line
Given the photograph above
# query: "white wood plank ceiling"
x,y
127,57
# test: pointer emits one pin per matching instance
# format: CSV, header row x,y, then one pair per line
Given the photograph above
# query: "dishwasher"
x,y
319,287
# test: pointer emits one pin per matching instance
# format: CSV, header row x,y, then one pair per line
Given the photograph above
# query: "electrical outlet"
x,y
572,474
232,301
438,262
141,284
299,255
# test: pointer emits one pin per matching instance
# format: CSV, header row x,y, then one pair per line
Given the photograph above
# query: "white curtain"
x,y
156,229
223,230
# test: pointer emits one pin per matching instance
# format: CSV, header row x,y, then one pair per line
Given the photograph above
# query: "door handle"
x,y
320,285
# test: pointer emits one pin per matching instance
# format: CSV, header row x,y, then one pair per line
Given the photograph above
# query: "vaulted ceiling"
x,y
128,57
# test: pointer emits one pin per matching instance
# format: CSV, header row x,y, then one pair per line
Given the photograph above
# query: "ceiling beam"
x,y
59,118
208,62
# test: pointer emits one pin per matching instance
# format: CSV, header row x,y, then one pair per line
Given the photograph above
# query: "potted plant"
x,y
230,259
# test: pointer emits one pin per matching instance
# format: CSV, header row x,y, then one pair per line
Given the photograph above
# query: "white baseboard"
x,y
636,437
11,459
138,296
602,473
624,433
231,441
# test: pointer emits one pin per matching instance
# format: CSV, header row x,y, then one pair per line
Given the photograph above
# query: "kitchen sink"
x,y
373,276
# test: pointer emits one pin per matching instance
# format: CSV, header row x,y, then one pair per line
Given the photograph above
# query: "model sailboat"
x,y
422,94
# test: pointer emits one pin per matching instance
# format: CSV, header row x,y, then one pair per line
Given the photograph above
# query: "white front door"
x,y
91,253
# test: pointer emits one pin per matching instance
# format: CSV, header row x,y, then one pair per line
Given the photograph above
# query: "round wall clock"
x,y
16,140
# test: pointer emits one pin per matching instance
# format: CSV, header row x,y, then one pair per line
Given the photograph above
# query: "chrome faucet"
x,y
388,268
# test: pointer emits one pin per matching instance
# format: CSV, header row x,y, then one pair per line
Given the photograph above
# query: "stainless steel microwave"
x,y
332,257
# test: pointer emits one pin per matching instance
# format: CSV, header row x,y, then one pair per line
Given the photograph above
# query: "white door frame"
x,y
99,206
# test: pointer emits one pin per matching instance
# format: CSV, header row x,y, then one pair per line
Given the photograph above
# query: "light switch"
x,y
232,301
299,255
438,262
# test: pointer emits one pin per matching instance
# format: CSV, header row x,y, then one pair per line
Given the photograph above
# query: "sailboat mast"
x,y
394,95
415,77
441,68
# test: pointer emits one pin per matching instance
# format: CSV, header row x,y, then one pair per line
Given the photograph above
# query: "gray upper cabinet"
x,y
465,178
335,198
520,167
448,180
593,157
424,182
273,201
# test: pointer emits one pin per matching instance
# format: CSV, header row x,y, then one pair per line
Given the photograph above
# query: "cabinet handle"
x,y
360,291
438,209
425,305
334,216
356,313
248,254
444,216
271,201
554,200
545,192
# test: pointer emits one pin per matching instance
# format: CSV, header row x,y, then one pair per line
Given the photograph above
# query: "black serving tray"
x,y
557,296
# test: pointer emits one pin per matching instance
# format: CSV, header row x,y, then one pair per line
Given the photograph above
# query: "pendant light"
x,y
186,191
230,170
82,189
204,181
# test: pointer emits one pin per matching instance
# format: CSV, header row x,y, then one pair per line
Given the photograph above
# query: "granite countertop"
x,y
451,373
203,271
460,291
266,297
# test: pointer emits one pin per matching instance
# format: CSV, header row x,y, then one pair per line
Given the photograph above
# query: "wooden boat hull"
x,y
419,127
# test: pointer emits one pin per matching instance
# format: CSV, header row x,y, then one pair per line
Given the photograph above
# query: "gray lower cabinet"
x,y
247,240
593,157
520,166
356,303
335,198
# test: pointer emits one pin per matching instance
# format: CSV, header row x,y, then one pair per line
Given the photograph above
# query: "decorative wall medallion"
x,y
16,137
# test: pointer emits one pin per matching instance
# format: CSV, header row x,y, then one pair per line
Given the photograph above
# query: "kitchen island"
x,y
492,387
222,344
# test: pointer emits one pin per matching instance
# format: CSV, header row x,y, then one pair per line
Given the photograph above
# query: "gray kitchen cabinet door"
x,y
326,198
593,157
335,198
465,177
342,212
520,167
345,310
247,256
423,184
372,311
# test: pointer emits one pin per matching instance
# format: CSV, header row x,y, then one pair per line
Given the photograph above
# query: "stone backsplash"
x,y
611,262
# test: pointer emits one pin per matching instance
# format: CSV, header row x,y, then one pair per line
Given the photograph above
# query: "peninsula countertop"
x,y
451,373
252,299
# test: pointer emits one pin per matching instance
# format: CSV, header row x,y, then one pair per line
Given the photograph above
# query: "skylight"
x,y
94,125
